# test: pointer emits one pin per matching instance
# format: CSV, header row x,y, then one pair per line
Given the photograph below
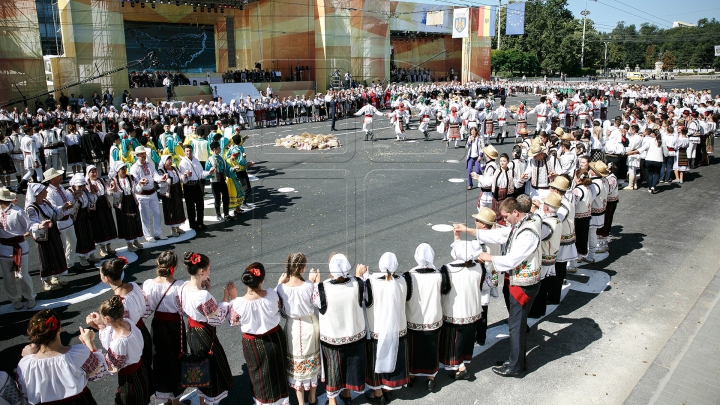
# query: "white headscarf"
x,y
77,180
163,158
33,190
339,266
424,256
87,170
462,250
388,336
115,168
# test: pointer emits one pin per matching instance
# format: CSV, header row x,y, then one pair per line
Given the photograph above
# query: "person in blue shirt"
x,y
217,180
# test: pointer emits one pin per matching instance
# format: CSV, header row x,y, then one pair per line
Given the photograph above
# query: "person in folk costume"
x,y
14,250
219,170
540,171
612,202
340,301
522,262
396,118
635,142
171,144
171,193
521,121
426,286
151,149
474,155
236,160
263,341
204,315
31,161
241,172
167,327
127,215
146,175
367,111
502,114
74,149
426,111
50,372
134,300
387,349
302,328
542,110
126,350
551,234
499,185
44,218
128,144
461,308
599,190
452,123
583,198
93,147
682,162
85,247
567,251
487,118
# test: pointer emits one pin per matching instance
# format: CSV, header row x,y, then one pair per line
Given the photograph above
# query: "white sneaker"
x,y
151,240
245,207
160,237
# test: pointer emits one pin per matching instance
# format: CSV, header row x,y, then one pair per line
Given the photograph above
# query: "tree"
x,y
668,60
650,58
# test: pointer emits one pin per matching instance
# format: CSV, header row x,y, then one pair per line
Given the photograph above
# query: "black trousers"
x,y
195,204
481,326
220,191
539,305
555,287
332,117
517,322
245,181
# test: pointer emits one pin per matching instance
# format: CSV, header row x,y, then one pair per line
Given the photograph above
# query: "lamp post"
x,y
584,13
605,63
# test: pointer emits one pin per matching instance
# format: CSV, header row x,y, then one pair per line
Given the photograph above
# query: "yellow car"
x,y
634,76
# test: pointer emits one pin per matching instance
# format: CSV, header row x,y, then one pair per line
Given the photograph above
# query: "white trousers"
x,y
29,173
150,215
9,280
593,242
69,240
423,125
52,161
541,124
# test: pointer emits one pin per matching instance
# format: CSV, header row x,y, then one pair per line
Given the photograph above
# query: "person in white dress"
x,y
14,251
124,344
50,371
167,327
257,313
302,329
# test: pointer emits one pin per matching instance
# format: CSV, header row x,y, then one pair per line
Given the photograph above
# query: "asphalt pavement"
x,y
613,338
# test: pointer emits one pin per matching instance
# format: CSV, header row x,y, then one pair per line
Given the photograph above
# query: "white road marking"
x,y
456,180
286,190
442,228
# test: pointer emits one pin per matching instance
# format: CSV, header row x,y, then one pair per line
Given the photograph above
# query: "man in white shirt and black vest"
x,y
523,263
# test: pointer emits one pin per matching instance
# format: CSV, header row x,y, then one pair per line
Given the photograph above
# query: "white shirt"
x,y
14,222
297,301
144,171
522,247
154,293
256,316
121,351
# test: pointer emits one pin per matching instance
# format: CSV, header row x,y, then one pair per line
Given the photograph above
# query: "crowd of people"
x,y
148,78
542,211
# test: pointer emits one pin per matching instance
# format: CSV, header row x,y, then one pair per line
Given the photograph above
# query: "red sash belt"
x,y
140,324
125,371
17,250
671,149
542,116
501,119
84,392
519,294
368,115
252,336
167,316
195,324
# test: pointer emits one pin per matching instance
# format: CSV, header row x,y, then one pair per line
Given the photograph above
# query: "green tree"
x,y
668,60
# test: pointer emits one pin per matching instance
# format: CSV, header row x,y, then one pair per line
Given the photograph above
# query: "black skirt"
x,y
52,254
388,381
456,344
221,381
582,233
344,366
173,207
128,219
166,337
84,232
134,388
7,166
423,349
74,154
265,360
102,221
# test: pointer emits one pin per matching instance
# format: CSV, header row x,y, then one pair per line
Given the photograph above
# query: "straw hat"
x,y
7,195
536,149
553,199
559,132
566,137
523,131
560,183
50,174
599,168
140,149
490,152
486,216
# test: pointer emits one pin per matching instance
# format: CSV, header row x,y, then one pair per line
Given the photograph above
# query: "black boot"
x,y
21,187
427,135
367,135
481,326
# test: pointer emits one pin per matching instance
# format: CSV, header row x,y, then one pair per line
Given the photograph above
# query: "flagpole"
x,y
497,22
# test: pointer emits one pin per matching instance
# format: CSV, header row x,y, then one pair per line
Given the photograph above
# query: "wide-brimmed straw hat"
x,y
553,199
599,168
486,216
560,183
536,149
51,173
7,195
490,152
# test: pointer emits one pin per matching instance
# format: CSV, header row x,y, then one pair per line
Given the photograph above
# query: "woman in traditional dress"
x,y
474,155
74,151
127,214
168,329
103,226
682,162
204,316
125,346
452,124
258,315
85,247
172,200
134,301
50,372
236,160
500,184
342,329
302,329
387,351
43,227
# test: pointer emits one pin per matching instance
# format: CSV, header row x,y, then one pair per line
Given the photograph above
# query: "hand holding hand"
x,y
32,348
314,275
360,270
283,278
212,170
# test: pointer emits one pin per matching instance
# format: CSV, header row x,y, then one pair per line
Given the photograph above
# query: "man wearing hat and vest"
x,y
485,219
567,251
31,160
522,260
540,171
14,223
145,174
551,233
485,182
599,190
62,199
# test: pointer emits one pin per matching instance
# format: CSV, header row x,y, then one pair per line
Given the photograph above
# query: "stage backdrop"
x,y
177,46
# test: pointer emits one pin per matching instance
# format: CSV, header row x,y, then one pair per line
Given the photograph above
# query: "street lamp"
x,y
605,63
584,13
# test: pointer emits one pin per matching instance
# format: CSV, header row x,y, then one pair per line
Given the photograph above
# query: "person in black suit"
x,y
332,109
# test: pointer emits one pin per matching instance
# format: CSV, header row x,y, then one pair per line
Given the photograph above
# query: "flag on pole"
x,y
515,22
435,17
486,21
461,17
